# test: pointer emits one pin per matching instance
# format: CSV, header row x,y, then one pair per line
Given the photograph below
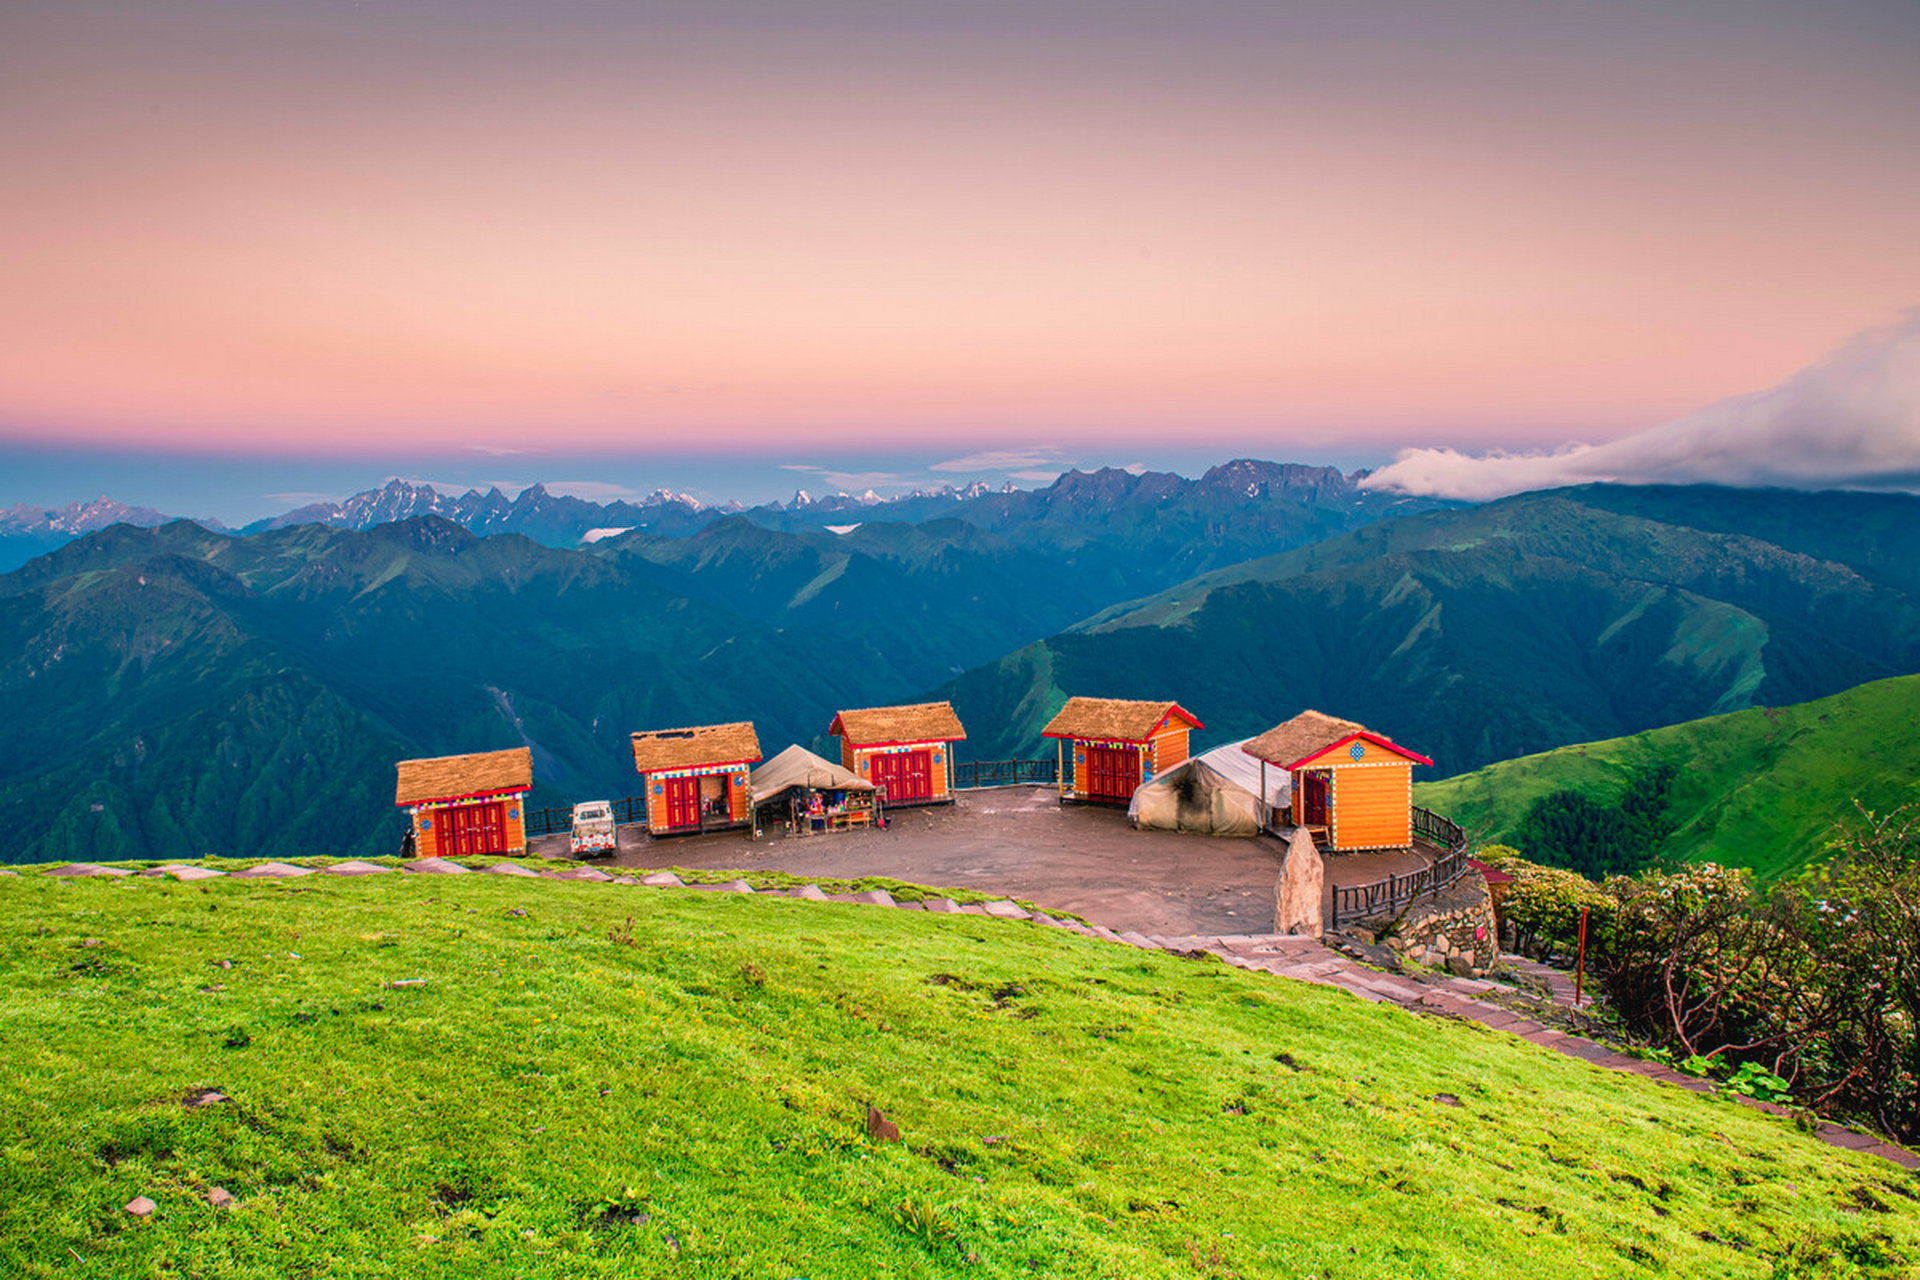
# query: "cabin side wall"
x,y
1169,749
425,834
1372,806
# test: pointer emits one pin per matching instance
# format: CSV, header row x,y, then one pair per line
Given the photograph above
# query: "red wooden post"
x,y
1580,961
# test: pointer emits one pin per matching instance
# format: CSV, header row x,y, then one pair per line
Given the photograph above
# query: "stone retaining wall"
x,y
1453,930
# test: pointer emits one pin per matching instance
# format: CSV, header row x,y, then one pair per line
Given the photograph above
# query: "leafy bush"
x,y
1543,904
1810,990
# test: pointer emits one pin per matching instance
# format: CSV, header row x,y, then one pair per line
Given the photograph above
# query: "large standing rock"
x,y
1297,893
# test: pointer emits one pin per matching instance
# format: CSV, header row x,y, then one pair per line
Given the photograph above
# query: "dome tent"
x,y
1216,793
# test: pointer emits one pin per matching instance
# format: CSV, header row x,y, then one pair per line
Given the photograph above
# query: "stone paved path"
x,y
1301,959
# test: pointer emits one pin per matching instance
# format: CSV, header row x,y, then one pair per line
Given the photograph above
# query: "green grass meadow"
x,y
567,1097
1760,788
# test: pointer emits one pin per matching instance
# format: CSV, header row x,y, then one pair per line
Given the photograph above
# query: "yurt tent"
x,y
1216,793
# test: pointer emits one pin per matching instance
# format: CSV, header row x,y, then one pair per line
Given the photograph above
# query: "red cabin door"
x,y
1316,798
907,775
1113,773
473,831
683,802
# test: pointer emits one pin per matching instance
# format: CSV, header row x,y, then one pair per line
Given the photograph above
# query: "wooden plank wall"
x,y
1373,806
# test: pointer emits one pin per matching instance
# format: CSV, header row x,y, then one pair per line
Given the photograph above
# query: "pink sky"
x,y
249,227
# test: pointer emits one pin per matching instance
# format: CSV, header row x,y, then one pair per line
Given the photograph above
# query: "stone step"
x,y
420,866
354,867
663,880
810,892
285,870
181,871
88,869
1005,909
1140,940
593,874
726,886
943,906
874,898
512,869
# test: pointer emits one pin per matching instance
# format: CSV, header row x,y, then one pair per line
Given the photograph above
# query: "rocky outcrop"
x,y
1297,894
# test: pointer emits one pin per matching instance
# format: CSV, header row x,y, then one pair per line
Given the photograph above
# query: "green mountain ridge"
x,y
1487,633
175,677
1760,788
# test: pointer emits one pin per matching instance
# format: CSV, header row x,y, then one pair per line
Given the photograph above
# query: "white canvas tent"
x,y
799,767
1215,793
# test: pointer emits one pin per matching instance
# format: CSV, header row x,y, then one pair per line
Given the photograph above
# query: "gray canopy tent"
x,y
797,772
1215,793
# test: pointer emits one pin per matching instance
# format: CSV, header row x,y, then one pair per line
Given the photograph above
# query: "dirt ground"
x,y
1021,842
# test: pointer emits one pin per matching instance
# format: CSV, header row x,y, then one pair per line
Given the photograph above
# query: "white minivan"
x,y
592,828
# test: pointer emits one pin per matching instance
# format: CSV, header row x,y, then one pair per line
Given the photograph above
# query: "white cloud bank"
x,y
1851,421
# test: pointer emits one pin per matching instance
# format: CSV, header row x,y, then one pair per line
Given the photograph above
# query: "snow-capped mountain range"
x,y
1239,491
77,518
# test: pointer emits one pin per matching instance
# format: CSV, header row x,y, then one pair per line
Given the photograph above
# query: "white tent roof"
x,y
1216,793
1245,770
799,767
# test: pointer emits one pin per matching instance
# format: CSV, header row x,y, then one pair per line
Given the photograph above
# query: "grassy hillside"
x,y
1758,788
597,1082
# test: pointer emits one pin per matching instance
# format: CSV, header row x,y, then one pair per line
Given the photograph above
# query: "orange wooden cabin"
x,y
906,750
1109,746
695,779
1350,785
467,806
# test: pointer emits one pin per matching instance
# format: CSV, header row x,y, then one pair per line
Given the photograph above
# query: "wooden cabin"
x,y
695,779
467,806
1352,788
1107,747
906,751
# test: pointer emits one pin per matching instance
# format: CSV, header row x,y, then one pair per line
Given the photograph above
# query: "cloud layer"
x,y
1850,421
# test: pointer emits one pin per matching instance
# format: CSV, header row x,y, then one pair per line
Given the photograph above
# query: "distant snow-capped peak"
x,y
77,518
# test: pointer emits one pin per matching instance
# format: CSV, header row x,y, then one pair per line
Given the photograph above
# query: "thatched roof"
x,y
1115,719
692,747
921,722
450,777
1310,733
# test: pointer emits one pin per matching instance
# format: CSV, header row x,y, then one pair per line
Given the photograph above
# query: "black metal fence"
x,y
971,774
1361,901
544,822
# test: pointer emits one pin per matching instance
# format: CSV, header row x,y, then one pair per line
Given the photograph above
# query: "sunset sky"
x,y
270,248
